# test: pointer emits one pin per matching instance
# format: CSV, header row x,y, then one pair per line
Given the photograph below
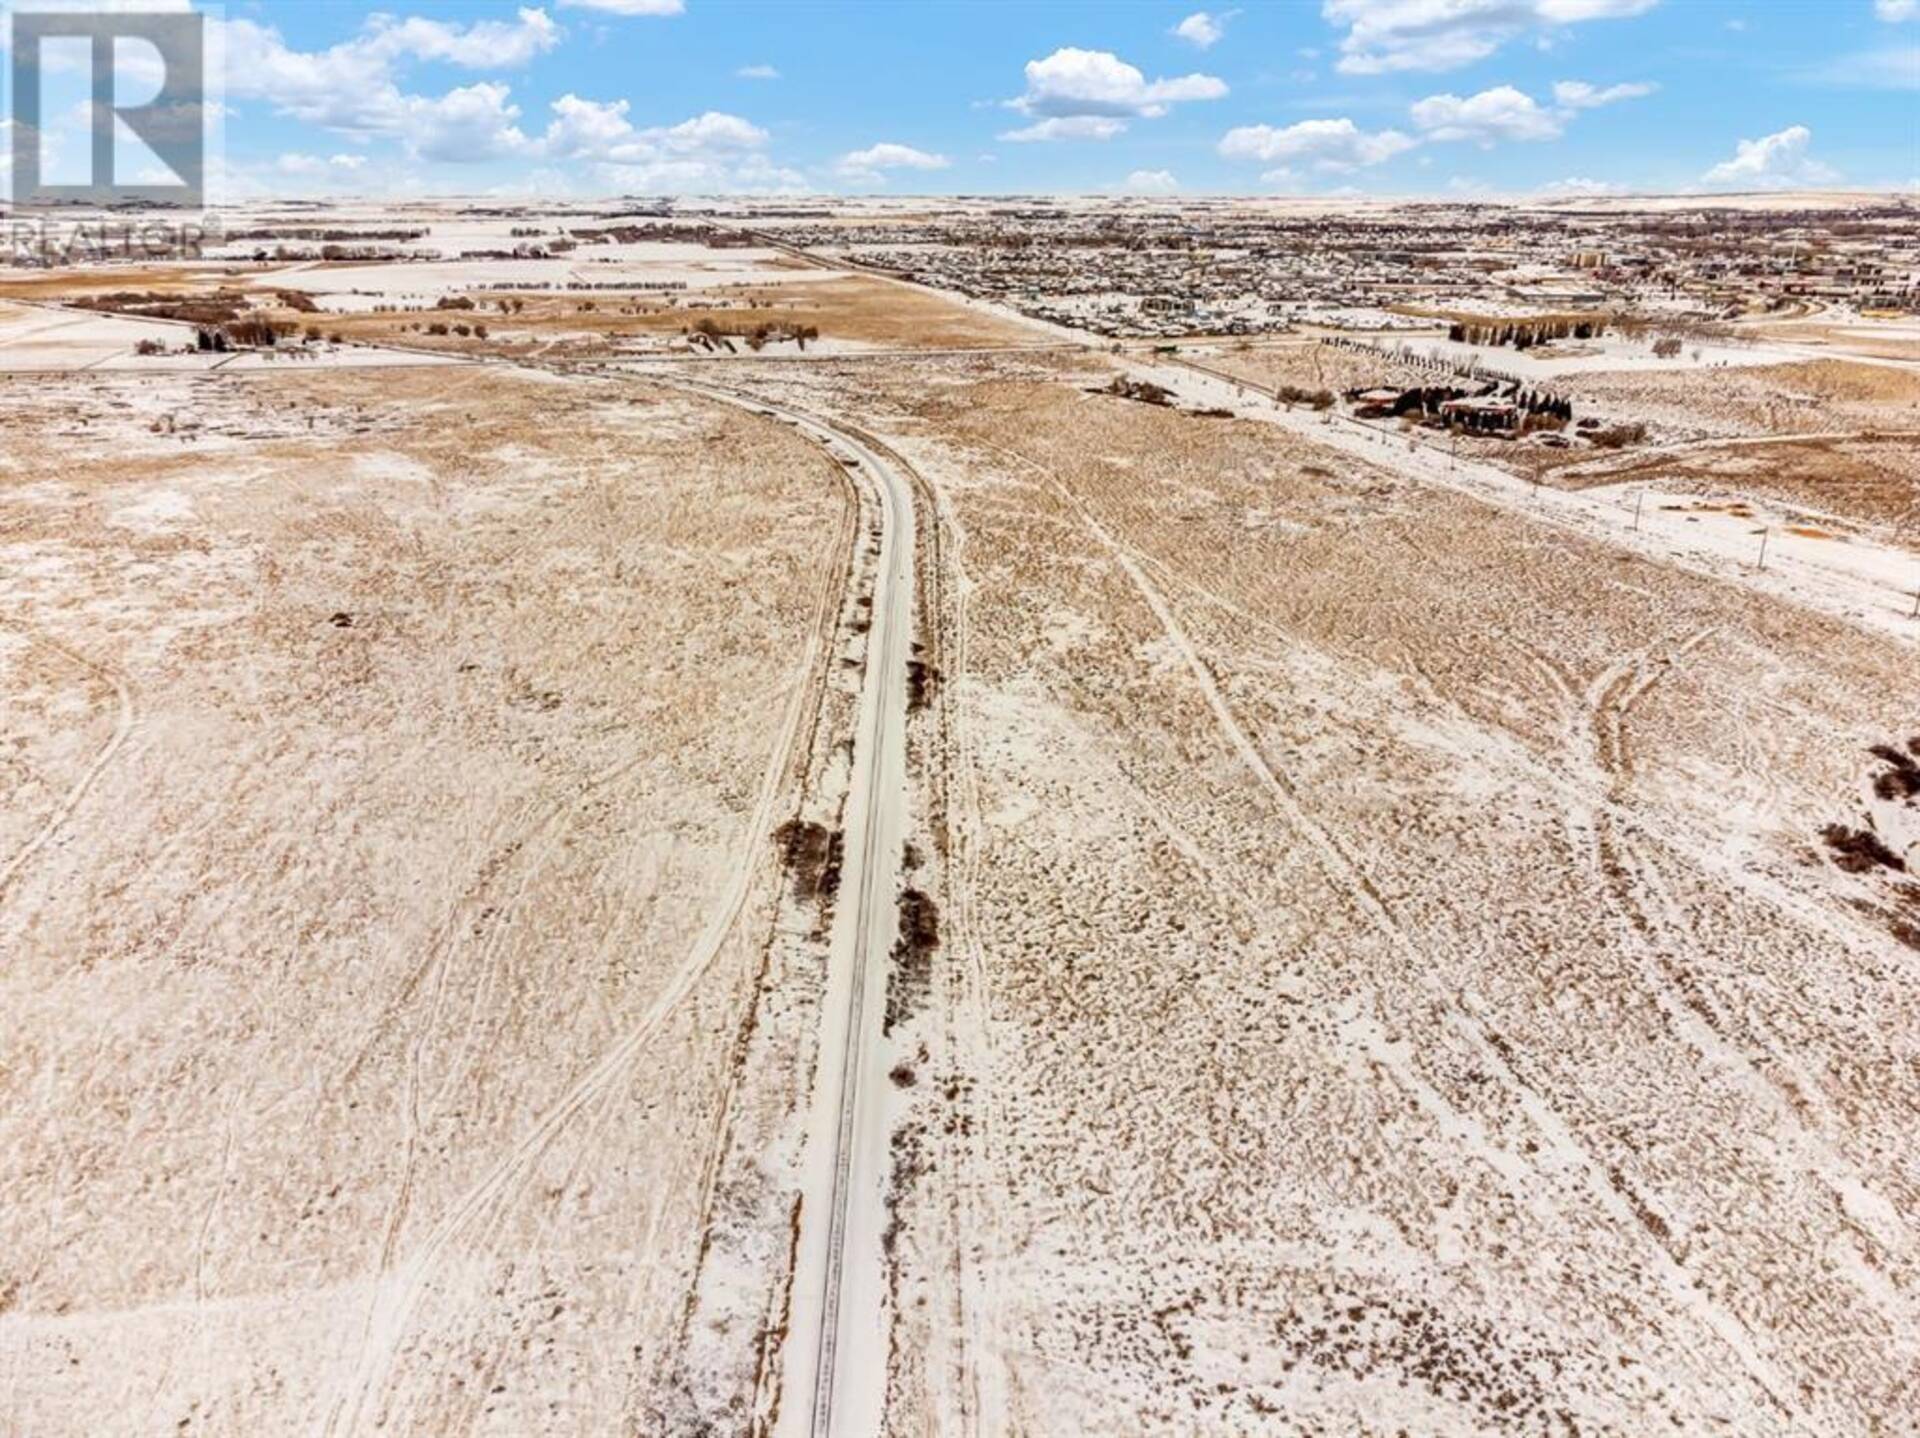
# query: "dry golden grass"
x,y
1310,365
1397,919
1841,379
1871,482
1860,339
53,286
857,310
377,748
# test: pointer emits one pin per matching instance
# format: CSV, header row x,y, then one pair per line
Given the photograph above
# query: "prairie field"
x,y
677,837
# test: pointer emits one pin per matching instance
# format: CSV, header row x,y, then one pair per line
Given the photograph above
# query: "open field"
x,y
1859,483
847,311
1813,397
1835,438
605,875
1371,925
418,305
390,769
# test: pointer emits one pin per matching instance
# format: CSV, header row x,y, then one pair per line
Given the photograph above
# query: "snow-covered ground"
x,y
1607,353
1869,583
344,287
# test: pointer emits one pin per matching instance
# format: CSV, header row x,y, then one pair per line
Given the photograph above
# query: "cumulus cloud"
x,y
1502,113
1067,127
1579,95
1893,11
483,45
353,86
757,72
1150,182
628,7
1389,35
1088,85
1333,146
1203,30
463,126
869,166
712,152
888,156
1775,160
600,130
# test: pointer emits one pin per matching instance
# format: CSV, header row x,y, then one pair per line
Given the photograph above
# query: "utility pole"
x,y
1763,547
1639,498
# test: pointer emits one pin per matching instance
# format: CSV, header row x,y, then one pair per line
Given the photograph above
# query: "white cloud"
x,y
582,128
1893,11
710,153
1151,182
628,7
352,86
757,72
1203,30
295,163
600,131
1087,85
1578,187
869,166
1779,159
746,175
712,131
1502,113
1067,127
888,156
1388,35
1579,95
467,125
1334,146
483,45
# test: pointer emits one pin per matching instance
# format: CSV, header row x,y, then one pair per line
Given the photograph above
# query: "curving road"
x,y
833,1363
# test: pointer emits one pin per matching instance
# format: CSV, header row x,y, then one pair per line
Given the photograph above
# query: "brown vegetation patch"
x,y
912,975
1860,851
812,854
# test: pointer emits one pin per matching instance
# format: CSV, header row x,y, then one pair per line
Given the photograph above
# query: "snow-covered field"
x,y
1391,962
421,282
1361,943
1607,354
386,885
43,340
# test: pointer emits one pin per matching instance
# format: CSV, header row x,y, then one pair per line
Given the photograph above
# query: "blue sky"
x,y
1391,97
